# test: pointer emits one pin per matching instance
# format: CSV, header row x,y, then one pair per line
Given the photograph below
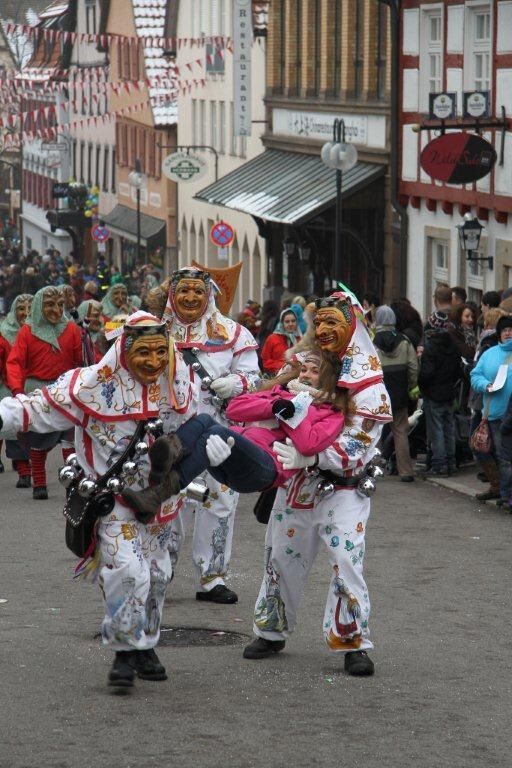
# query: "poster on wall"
x,y
242,45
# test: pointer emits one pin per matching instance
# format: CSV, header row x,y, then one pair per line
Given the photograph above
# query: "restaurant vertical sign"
x,y
242,45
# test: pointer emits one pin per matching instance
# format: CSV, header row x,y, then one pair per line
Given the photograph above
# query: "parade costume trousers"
x,y
135,570
291,545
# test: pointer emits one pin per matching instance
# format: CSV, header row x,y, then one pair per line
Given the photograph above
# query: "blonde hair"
x,y
492,316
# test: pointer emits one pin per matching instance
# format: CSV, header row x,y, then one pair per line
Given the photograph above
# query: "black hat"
x,y
503,322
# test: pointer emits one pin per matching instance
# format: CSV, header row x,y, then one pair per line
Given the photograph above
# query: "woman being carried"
x,y
248,458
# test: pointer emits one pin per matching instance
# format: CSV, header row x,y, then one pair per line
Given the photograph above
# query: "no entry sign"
x,y
458,158
222,234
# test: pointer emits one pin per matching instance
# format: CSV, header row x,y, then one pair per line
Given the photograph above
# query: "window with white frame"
x,y
478,53
90,16
213,124
202,122
222,127
431,57
439,260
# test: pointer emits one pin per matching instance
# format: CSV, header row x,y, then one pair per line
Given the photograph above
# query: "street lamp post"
x,y
136,180
470,231
339,156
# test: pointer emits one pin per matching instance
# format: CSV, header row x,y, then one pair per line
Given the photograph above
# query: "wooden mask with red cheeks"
x,y
146,351
334,325
190,298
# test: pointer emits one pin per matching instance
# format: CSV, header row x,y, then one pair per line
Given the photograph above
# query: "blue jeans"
x,y
440,434
249,468
504,465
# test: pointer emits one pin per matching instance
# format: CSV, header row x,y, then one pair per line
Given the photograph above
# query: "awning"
x,y
123,221
285,187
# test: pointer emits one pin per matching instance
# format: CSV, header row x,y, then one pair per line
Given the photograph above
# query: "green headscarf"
x,y
40,326
9,327
294,336
109,309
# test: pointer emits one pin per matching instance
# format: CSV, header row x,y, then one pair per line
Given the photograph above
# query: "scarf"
x,y
292,336
109,309
40,326
9,327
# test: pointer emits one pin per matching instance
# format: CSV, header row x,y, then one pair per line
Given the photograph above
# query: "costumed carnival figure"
x,y
222,356
46,346
307,512
9,329
116,302
138,379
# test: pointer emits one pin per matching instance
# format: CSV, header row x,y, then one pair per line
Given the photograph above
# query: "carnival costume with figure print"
x,y
227,351
300,518
105,403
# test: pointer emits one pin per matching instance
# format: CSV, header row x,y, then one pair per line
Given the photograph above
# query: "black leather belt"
x,y
341,482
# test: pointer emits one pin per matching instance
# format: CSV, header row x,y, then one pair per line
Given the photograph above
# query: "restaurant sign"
x,y
458,158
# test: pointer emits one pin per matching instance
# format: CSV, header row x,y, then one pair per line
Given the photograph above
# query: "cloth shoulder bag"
x,y
481,441
82,514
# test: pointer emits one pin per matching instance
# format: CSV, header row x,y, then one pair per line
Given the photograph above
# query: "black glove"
x,y
284,408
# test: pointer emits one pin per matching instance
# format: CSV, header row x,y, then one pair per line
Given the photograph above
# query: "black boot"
x,y
24,482
219,594
40,492
262,649
148,665
146,503
165,452
122,672
359,664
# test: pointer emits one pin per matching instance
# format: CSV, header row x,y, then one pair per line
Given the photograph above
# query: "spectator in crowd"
x,y
486,462
490,300
269,319
32,280
463,319
440,370
496,401
408,321
285,336
91,290
370,303
459,296
400,367
115,275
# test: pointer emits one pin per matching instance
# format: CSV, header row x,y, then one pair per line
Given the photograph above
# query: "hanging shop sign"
x,y
100,234
222,234
476,104
182,167
442,106
458,158
242,45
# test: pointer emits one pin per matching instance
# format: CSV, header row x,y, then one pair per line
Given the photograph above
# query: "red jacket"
x,y
273,352
5,348
30,357
314,434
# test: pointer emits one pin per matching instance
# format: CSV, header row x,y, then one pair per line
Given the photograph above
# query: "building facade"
x,y
326,60
143,99
455,47
207,118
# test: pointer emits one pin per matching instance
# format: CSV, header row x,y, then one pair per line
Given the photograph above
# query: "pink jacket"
x,y
315,433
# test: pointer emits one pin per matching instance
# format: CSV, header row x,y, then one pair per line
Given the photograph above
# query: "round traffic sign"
x,y
222,234
100,234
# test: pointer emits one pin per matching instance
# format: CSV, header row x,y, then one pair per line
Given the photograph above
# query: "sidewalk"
x,y
465,482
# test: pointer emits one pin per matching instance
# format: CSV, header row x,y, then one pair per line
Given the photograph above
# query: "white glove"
x,y
218,450
224,387
289,456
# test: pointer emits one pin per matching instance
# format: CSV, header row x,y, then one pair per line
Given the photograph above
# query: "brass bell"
x,y
374,471
129,468
195,350
87,488
141,448
72,460
155,427
206,382
324,489
67,475
197,491
366,487
115,484
217,401
196,366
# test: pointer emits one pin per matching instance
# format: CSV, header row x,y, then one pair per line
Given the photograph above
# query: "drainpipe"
x,y
394,6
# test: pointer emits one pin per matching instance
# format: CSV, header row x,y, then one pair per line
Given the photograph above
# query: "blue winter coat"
x,y
484,374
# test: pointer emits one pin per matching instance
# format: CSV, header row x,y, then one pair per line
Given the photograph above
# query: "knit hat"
x,y
438,319
385,316
503,322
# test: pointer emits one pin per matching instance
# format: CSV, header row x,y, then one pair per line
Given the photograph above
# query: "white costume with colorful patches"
x,y
300,521
105,403
225,349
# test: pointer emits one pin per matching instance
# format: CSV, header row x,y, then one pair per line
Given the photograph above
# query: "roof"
x,y
123,221
150,21
285,187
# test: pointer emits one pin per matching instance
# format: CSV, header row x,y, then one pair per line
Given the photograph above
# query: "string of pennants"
x,y
152,41
51,132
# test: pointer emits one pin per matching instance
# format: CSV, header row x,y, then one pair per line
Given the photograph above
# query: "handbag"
x,y
481,441
263,506
82,514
